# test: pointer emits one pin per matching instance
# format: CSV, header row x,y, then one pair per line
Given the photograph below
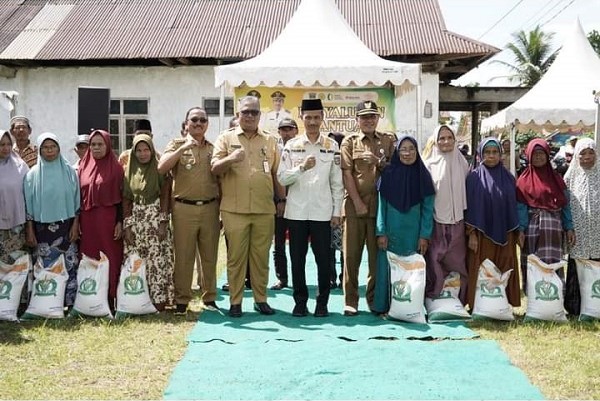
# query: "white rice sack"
x,y
447,307
12,280
407,278
490,296
544,291
588,273
48,295
133,296
92,288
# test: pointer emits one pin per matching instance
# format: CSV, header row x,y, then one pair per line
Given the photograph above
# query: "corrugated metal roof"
x,y
37,33
210,29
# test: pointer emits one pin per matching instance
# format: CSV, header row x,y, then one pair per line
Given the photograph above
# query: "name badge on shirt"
x,y
266,166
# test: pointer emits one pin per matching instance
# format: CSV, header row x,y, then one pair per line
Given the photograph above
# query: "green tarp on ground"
x,y
364,357
333,369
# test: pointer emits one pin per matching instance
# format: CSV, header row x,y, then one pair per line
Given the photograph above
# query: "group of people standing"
x,y
51,208
377,190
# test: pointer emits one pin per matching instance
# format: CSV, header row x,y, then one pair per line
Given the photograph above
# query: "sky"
x,y
481,20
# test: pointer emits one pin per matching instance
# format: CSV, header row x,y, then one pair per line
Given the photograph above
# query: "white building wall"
x,y
48,96
406,111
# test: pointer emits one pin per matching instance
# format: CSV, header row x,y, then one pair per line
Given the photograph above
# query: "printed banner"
x,y
339,106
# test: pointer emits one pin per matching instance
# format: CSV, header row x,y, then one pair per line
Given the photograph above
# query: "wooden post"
x,y
475,136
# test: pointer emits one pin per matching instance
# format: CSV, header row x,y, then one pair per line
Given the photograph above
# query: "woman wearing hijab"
x,y
448,249
12,202
543,207
404,213
583,182
52,198
101,180
492,224
146,219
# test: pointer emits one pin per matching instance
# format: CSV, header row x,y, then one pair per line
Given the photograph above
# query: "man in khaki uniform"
x,y
246,160
364,156
195,209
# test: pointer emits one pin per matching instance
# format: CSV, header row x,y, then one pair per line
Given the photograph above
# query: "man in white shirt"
x,y
269,121
310,167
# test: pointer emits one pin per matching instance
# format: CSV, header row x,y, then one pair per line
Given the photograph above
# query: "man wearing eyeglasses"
x,y
364,156
195,210
246,160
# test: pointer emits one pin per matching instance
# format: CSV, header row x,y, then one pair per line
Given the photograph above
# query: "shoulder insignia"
x,y
390,134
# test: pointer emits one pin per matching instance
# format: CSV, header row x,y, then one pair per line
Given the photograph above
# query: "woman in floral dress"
x,y
146,219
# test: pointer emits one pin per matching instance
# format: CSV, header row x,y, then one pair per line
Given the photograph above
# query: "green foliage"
x,y
523,138
594,38
533,55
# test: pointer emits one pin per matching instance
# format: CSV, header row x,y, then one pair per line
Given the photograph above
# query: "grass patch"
x,y
91,359
133,359
561,359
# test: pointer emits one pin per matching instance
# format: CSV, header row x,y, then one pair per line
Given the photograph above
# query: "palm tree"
x,y
594,38
532,52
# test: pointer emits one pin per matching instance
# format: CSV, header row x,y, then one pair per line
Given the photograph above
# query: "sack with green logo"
x,y
588,273
12,280
447,307
544,291
92,288
490,296
407,279
48,294
133,296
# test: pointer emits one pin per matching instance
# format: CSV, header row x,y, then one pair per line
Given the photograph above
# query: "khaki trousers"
x,y
249,237
357,231
195,227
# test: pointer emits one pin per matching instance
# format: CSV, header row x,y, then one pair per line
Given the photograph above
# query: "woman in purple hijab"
x,y
12,202
492,224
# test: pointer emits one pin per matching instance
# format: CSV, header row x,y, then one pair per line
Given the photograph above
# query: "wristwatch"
x,y
282,200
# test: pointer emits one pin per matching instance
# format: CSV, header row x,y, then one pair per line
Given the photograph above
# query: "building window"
x,y
211,105
123,114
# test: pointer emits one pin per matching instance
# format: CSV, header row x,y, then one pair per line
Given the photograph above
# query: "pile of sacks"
x,y
47,284
544,292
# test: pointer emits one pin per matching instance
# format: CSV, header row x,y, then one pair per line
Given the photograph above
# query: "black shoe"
x,y
332,285
235,310
263,308
300,311
280,285
321,311
180,309
211,305
248,285
225,287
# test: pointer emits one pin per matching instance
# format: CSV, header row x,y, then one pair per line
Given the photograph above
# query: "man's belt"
x,y
195,202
